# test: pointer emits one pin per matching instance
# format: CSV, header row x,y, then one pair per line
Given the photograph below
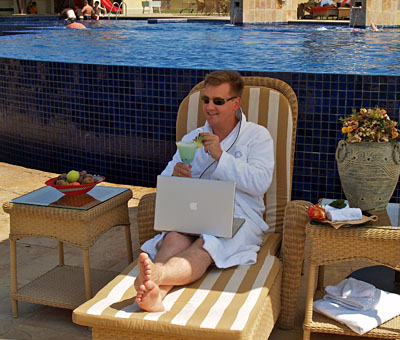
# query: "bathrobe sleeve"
x,y
251,162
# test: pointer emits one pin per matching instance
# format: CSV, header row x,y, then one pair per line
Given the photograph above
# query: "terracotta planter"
x,y
369,172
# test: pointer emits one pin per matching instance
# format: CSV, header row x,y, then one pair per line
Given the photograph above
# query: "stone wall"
x,y
383,12
268,11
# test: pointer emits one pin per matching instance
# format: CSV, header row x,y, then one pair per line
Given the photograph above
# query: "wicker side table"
x,y
379,245
70,221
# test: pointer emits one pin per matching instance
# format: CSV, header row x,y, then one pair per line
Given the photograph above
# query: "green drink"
x,y
187,150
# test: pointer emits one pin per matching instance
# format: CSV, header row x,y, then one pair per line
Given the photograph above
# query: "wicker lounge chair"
x,y
242,302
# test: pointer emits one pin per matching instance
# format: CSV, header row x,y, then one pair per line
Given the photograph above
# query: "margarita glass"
x,y
187,150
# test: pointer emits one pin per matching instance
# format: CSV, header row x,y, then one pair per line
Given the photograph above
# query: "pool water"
x,y
283,48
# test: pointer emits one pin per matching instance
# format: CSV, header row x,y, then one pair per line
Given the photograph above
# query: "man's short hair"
x,y
233,78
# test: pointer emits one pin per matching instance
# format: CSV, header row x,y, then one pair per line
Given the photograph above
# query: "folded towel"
x,y
351,287
353,293
359,321
386,306
345,214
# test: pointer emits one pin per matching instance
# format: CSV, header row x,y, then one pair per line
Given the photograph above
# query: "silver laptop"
x,y
196,206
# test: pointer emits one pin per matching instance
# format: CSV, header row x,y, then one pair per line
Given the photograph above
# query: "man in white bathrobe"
x,y
233,150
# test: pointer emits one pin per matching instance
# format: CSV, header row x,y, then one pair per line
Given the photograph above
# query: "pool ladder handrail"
x,y
119,5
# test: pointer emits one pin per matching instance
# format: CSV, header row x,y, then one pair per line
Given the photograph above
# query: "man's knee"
x,y
174,239
173,236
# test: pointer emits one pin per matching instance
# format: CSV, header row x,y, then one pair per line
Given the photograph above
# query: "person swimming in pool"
x,y
87,10
375,28
75,25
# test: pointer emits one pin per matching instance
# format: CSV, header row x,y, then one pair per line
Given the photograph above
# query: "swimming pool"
x,y
289,48
92,111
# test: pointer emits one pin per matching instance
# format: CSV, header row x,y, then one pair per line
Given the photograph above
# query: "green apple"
x,y
72,176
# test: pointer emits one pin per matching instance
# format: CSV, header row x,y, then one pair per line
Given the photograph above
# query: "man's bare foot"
x,y
140,279
149,298
147,271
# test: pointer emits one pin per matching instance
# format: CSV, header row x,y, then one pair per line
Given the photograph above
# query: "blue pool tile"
x,y
120,121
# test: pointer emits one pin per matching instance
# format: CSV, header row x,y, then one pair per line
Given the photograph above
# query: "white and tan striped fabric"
x,y
236,303
272,109
223,302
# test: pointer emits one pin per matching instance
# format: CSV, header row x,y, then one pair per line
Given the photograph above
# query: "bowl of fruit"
x,y
75,182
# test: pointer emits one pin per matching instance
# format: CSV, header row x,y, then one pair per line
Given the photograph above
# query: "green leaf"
x,y
339,204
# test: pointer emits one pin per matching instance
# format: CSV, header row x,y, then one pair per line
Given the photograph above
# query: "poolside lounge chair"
x,y
242,302
324,11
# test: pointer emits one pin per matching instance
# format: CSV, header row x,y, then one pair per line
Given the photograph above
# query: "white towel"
x,y
345,214
354,293
386,307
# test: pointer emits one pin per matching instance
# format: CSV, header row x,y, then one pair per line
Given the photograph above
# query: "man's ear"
x,y
238,102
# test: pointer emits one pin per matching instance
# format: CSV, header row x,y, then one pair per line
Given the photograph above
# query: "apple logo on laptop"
x,y
193,206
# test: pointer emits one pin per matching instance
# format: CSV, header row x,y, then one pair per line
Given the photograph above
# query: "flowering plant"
x,y
369,125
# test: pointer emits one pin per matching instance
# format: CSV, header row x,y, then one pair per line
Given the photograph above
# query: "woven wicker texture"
x,y
378,245
145,217
78,228
292,254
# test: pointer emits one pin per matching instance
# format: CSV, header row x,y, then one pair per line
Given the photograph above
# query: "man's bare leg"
x,y
183,268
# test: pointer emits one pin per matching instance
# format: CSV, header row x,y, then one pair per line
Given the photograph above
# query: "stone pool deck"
x,y
37,256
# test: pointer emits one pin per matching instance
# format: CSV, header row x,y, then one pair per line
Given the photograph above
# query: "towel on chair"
x,y
384,305
345,214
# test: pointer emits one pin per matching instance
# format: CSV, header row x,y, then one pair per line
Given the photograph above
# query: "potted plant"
x,y
368,158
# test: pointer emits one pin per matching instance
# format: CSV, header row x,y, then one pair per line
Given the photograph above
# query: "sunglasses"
x,y
217,101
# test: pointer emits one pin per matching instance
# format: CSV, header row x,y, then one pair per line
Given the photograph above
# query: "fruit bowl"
x,y
75,189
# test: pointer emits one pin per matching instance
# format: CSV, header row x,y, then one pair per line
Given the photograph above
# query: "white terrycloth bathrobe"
x,y
248,160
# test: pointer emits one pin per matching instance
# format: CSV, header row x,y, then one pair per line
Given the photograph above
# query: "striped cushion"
x,y
222,303
267,107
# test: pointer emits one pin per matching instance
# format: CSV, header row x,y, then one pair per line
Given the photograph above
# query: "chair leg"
x,y
306,335
14,284
86,271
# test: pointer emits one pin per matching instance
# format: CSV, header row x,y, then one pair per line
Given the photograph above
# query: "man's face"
x,y
218,115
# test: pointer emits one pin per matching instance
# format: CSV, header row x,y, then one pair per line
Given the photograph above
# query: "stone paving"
x,y
37,255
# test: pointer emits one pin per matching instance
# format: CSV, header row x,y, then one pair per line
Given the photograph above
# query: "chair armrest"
x,y
292,253
145,217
